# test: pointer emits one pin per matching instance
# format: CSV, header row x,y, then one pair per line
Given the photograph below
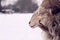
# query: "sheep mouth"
x,y
40,25
43,27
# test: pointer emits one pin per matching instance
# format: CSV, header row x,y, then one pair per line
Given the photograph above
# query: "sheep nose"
x,y
29,22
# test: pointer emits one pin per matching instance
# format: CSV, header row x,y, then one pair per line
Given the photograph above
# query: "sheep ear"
x,y
44,28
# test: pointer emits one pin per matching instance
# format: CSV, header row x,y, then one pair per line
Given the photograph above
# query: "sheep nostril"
x,y
29,22
31,26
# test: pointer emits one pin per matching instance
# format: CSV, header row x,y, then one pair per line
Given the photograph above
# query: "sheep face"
x,y
48,23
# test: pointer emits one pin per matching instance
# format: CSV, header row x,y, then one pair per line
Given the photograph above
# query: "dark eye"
x,y
39,21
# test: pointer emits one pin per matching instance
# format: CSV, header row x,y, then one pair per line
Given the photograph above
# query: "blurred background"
x,y
16,26
20,6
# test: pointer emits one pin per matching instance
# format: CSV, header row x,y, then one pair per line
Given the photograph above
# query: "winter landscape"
x,y
16,27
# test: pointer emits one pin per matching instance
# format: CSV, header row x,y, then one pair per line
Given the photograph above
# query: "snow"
x,y
16,27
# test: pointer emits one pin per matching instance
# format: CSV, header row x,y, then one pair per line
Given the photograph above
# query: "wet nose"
x,y
29,22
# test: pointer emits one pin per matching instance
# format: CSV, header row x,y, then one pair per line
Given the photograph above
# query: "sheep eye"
x,y
39,21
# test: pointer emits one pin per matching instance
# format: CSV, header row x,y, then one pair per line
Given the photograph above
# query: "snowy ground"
x,y
16,27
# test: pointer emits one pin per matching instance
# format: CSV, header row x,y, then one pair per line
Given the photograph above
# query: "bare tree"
x,y
21,6
25,6
0,6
